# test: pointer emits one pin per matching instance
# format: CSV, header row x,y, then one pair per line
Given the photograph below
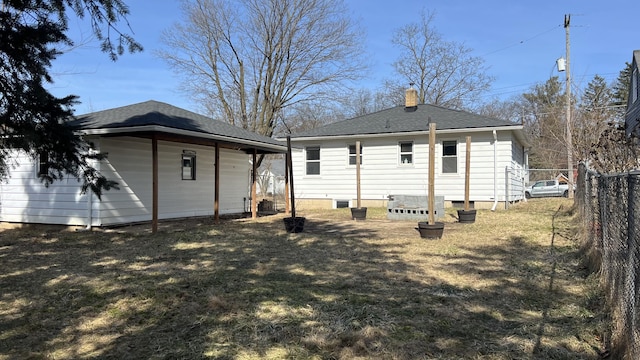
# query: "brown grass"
x,y
506,287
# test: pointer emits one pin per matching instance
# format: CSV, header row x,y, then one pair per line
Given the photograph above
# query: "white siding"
x,y
516,173
235,182
130,163
23,198
383,175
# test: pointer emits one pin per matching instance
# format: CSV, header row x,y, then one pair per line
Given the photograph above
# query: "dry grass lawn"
x,y
509,286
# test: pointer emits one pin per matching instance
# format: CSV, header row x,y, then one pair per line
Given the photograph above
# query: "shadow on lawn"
x,y
243,288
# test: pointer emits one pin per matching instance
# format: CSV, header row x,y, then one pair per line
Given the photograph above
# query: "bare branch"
x,y
248,60
444,72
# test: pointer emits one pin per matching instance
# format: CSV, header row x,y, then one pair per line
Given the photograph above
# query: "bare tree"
x,y
444,72
306,116
594,116
615,152
263,176
510,110
366,101
246,61
543,119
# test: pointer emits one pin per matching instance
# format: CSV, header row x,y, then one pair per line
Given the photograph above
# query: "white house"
x,y
271,177
632,117
201,167
395,153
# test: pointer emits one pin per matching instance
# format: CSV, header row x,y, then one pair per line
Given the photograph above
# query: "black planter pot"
x,y
466,216
359,213
294,224
430,231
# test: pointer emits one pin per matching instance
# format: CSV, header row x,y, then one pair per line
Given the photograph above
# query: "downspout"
x,y
89,203
90,196
88,225
495,171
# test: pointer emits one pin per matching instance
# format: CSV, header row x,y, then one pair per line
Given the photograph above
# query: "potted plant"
x,y
467,215
358,212
431,229
293,224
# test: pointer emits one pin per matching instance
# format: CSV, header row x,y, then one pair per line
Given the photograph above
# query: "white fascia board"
x,y
156,128
410,133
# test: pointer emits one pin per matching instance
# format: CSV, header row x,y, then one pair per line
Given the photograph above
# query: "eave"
x,y
517,129
187,136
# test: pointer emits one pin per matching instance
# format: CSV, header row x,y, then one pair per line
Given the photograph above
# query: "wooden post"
x,y
216,195
432,168
467,167
154,204
254,200
287,165
293,197
359,203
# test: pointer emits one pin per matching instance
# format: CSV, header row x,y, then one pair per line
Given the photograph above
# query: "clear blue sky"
x,y
519,41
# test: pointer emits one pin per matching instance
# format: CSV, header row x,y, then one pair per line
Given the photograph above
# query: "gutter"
x,y
495,171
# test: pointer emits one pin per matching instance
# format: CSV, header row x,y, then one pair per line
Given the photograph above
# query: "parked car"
x,y
544,188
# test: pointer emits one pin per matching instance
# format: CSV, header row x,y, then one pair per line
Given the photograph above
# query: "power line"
x,y
522,41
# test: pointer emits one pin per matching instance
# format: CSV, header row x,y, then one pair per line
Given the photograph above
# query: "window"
x,y
43,164
449,157
188,165
406,153
313,160
352,154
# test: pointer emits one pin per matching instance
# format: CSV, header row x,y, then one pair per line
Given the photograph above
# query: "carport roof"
x,y
149,117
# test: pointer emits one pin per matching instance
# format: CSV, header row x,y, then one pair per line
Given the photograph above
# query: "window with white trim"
x,y
188,165
352,154
313,160
406,152
449,157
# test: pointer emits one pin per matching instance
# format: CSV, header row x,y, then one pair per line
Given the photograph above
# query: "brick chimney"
x,y
411,99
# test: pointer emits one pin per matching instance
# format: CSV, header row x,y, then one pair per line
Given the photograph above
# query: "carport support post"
x,y
216,191
254,211
358,198
293,197
467,167
287,164
432,170
154,206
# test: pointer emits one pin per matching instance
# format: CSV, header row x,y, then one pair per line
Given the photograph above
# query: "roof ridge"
x,y
123,107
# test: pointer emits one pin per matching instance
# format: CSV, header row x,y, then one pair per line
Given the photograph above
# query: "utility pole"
x,y
569,138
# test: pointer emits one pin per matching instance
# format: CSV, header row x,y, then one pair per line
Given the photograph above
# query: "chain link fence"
x,y
609,206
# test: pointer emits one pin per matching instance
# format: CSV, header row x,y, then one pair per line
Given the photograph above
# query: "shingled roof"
x,y
399,120
155,116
